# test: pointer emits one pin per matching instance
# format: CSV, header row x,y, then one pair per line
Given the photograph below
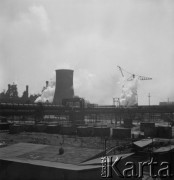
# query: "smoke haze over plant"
x,y
129,92
92,38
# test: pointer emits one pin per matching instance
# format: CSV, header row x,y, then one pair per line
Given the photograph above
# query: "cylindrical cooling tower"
x,y
64,85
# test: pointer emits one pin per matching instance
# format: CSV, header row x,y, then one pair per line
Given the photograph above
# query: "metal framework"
x,y
74,113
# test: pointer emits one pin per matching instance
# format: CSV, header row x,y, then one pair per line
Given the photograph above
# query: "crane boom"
x,y
144,78
133,75
120,70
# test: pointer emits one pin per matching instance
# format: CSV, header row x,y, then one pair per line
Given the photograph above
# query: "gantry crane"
x,y
132,75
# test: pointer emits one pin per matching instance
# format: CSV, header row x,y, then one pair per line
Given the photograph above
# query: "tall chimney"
x,y
47,84
27,91
64,85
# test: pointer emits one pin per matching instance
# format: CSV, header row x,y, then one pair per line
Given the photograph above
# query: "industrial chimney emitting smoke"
x,y
64,85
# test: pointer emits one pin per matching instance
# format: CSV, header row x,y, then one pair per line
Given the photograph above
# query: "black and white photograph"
x,y
86,89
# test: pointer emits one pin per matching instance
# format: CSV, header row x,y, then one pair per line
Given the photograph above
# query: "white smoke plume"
x,y
92,86
48,93
129,93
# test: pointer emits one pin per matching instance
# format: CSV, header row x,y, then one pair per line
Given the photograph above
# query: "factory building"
x,y
11,95
166,103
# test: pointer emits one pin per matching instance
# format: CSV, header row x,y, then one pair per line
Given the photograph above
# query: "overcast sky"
x,y
91,37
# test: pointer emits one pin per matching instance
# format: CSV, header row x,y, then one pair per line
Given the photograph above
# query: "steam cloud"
x,y
129,93
92,86
48,93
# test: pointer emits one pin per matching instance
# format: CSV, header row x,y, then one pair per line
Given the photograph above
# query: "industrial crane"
x,y
132,75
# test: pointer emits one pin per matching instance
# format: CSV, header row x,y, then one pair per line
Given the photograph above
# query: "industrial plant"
x,y
59,135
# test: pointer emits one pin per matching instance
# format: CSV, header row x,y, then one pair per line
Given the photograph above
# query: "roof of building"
x,y
164,149
143,142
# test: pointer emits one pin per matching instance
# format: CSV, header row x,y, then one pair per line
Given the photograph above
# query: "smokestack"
x,y
46,84
27,91
64,85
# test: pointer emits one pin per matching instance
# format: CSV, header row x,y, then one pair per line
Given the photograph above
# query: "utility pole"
x,y
149,98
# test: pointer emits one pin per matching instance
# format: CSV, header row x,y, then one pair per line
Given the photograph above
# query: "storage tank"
x,y
64,85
